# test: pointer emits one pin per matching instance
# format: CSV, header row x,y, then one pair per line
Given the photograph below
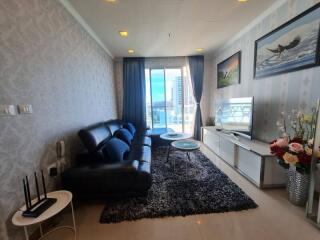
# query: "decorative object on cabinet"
x,y
294,151
210,121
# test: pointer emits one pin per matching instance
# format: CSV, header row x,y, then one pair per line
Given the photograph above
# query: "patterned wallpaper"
x,y
298,90
48,60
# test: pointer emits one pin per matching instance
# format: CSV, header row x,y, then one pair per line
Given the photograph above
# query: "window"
x,y
169,100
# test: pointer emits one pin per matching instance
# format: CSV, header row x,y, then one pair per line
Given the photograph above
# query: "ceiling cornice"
x,y
84,24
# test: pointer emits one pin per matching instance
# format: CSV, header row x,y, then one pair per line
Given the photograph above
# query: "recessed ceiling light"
x,y
110,1
199,49
130,51
123,33
242,1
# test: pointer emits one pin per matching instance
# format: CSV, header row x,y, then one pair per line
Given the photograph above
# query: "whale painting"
x,y
291,47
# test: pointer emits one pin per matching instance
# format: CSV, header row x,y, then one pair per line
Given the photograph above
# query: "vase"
x,y
297,187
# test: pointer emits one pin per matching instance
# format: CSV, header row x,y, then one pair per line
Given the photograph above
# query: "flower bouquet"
x,y
294,150
295,146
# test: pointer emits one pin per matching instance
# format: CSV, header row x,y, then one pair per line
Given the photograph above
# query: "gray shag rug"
x,y
205,190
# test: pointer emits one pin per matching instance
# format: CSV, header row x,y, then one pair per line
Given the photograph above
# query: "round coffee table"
x,y
186,146
64,198
173,136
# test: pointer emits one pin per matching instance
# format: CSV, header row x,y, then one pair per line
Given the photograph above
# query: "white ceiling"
x,y
192,24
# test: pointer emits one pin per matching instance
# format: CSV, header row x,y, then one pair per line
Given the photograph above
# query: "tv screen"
x,y
235,115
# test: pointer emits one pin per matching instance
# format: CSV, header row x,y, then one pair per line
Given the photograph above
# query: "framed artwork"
x,y
291,47
229,71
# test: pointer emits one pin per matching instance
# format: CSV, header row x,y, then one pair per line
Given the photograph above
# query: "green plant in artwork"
x,y
228,78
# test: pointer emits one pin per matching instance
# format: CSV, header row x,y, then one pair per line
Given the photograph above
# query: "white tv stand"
x,y
251,158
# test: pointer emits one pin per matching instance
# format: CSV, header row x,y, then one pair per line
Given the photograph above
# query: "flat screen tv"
x,y
235,116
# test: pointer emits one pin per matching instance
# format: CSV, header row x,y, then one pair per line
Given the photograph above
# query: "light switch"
x,y
25,109
7,110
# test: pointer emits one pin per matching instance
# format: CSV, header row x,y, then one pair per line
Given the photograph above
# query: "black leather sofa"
x,y
100,173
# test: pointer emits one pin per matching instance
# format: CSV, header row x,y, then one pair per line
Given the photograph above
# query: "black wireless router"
x,y
36,209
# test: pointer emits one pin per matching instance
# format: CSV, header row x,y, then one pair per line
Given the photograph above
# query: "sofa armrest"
x,y
86,158
100,175
100,169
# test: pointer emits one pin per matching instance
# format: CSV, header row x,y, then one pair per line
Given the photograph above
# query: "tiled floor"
x,y
275,218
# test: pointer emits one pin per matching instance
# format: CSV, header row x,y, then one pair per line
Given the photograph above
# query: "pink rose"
x,y
281,142
296,147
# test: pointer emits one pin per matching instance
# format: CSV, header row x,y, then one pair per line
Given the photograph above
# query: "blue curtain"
x,y
196,65
134,92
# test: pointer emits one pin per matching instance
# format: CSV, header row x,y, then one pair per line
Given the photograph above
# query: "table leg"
x,y
41,232
187,167
168,152
74,221
26,232
188,155
174,165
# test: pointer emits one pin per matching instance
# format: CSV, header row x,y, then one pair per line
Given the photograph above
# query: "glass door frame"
x,y
165,93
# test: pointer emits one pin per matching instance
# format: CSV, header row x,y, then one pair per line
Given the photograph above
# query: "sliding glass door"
x,y
158,98
165,98
174,99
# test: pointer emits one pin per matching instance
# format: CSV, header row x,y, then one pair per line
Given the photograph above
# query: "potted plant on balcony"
x,y
294,150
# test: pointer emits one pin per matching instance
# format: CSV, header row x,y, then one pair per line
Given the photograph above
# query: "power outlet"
x,y
52,170
7,110
25,109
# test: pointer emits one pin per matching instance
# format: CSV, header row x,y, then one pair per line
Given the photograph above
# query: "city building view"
x,y
169,99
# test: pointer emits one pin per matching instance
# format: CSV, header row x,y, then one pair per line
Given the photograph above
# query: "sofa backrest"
x,y
95,136
114,125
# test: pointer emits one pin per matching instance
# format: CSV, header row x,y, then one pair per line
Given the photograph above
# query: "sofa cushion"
x,y
115,150
131,128
124,135
138,140
140,153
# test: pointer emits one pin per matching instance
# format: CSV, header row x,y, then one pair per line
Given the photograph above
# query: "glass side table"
x,y
173,136
186,146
